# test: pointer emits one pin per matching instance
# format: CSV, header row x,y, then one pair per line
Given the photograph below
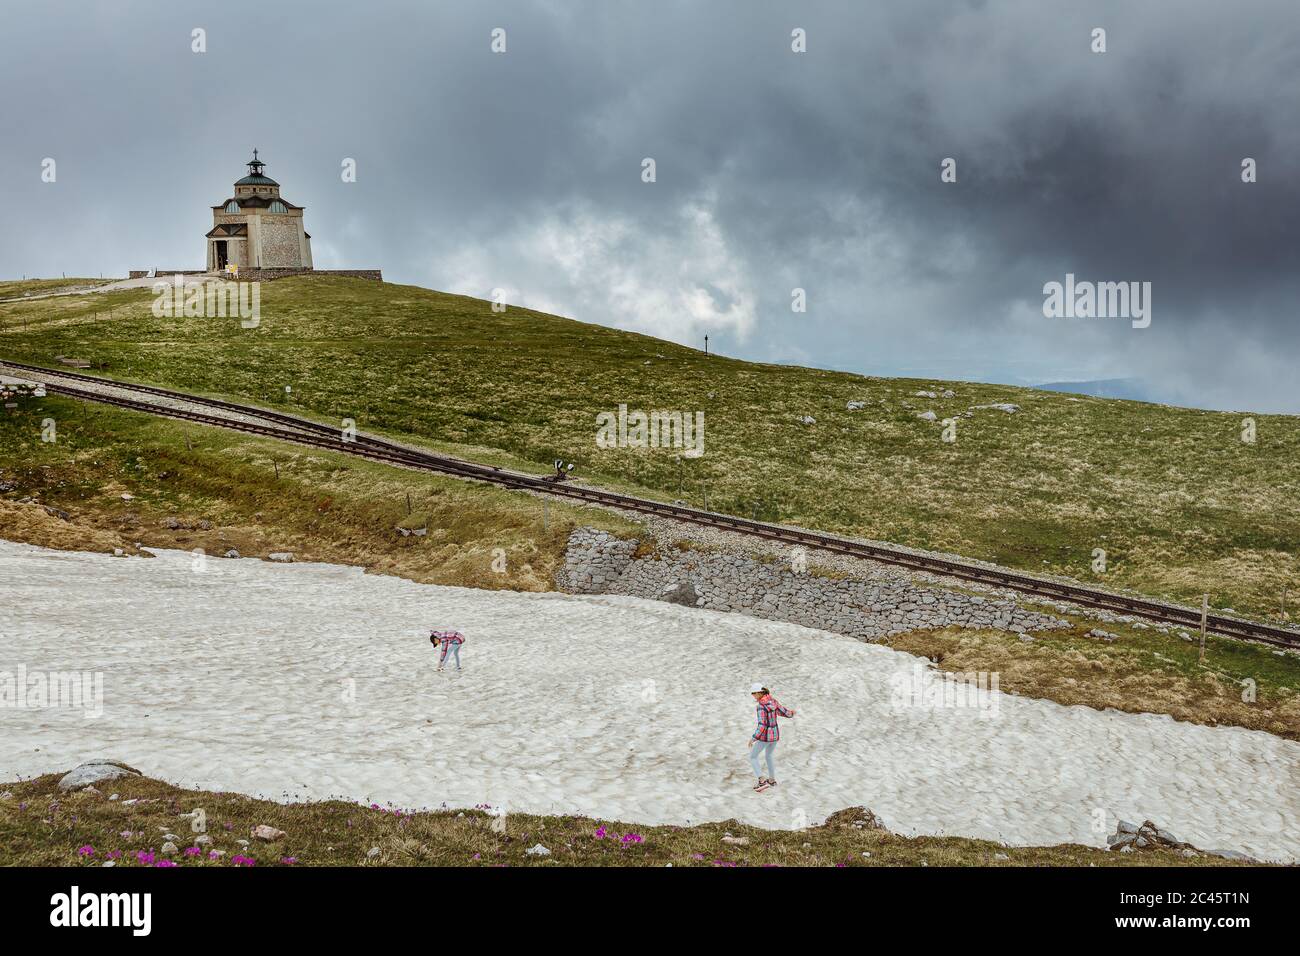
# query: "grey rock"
x,y
95,771
682,592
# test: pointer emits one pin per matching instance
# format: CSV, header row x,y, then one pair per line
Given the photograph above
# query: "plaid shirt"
x,y
446,639
768,709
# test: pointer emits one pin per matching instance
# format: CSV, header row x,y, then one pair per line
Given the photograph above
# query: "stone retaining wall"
x,y
599,563
267,275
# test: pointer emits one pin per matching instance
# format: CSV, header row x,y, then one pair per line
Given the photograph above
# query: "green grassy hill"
x,y
1180,504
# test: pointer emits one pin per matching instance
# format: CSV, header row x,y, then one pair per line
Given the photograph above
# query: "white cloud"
x,y
676,279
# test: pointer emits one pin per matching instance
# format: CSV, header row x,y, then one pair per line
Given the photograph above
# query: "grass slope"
x,y
197,487
1179,503
40,826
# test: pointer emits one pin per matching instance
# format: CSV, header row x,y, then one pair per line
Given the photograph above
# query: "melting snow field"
x,y
309,681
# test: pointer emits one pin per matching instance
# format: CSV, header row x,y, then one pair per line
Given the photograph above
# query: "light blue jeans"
x,y
758,750
453,650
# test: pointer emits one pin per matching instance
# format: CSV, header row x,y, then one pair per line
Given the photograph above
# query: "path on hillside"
x,y
315,680
114,286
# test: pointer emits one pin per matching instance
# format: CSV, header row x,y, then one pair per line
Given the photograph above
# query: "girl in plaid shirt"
x,y
450,641
763,743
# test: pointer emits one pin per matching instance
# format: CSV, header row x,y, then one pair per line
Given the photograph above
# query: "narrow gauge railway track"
x,y
304,431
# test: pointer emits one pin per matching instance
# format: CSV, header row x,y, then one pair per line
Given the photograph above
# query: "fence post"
x,y
1205,610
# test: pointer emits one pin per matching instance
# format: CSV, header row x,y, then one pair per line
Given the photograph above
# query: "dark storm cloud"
x,y
775,170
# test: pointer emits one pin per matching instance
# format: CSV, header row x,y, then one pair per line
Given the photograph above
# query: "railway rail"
x,y
304,431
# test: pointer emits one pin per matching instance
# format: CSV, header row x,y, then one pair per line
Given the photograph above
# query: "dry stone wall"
x,y
597,562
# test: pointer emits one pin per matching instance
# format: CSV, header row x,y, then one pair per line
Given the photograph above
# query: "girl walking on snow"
x,y
450,641
763,743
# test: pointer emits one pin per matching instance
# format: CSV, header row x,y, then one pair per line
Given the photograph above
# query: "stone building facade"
x,y
257,228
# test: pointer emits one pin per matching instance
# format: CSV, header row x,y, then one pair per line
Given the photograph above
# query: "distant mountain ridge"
x,y
1127,388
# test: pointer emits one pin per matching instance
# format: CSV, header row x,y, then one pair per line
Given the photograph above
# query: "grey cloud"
x,y
776,170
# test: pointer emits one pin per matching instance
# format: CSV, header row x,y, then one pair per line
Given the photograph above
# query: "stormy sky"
x,y
775,170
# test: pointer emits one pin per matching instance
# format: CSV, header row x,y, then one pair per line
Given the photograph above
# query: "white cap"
x,y
755,688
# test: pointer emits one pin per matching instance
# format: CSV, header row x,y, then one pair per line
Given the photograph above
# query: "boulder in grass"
x,y
927,416
857,818
95,771
538,850
1128,838
266,833
284,557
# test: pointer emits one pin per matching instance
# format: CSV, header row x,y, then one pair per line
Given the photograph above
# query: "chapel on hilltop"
x,y
257,228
